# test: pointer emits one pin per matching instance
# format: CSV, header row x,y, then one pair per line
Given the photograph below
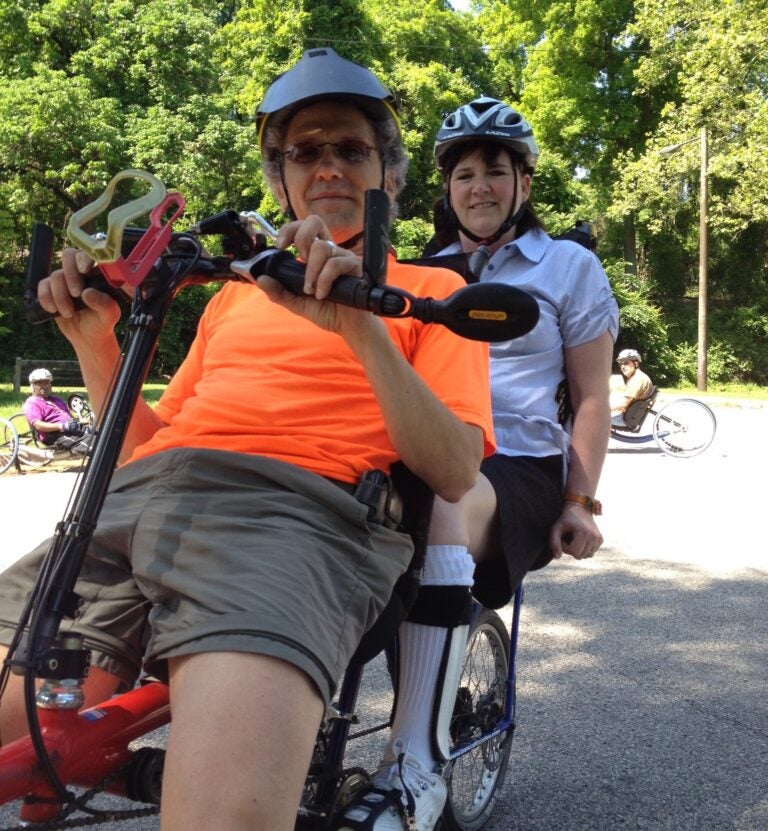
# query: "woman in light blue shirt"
x,y
535,499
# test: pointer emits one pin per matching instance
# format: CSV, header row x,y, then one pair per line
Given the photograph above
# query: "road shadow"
x,y
638,450
642,700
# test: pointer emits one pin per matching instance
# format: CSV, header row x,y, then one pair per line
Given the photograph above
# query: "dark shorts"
x,y
529,491
225,552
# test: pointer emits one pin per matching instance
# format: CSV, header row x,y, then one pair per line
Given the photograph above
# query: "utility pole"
x,y
701,363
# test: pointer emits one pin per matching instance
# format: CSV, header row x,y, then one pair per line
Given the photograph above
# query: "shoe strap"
x,y
390,798
409,814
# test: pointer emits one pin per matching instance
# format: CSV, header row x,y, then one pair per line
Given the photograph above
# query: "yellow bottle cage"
x,y
106,250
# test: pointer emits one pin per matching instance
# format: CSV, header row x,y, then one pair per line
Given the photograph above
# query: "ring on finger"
x,y
331,249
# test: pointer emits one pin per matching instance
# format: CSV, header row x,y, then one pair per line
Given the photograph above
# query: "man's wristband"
x,y
594,506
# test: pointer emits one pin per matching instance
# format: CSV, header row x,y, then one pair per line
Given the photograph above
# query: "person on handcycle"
x,y
234,533
535,498
630,385
48,414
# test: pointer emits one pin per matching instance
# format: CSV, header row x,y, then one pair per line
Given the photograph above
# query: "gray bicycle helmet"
x,y
629,355
321,74
487,118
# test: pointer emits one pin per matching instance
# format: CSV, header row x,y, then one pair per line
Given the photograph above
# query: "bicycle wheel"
x,y
9,444
31,452
684,428
79,405
474,778
26,434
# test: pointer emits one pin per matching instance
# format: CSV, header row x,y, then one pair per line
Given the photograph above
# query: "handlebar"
x,y
483,311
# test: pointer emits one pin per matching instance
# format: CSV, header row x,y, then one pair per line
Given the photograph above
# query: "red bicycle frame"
x,y
86,748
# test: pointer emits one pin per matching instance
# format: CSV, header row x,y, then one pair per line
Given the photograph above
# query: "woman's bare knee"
x,y
468,522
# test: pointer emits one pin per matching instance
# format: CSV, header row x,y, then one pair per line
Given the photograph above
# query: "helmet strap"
x,y
288,210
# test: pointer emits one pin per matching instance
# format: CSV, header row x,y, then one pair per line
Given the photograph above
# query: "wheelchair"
x,y
681,429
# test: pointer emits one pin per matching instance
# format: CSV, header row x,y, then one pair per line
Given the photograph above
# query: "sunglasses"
x,y
350,151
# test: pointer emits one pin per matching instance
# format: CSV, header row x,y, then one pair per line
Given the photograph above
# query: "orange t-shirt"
x,y
260,379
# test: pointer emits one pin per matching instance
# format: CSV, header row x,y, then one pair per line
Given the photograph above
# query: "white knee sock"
x,y
421,653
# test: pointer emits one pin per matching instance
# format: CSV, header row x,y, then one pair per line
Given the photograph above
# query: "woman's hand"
x,y
575,532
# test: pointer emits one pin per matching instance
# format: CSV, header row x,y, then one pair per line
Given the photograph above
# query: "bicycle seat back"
x,y
635,414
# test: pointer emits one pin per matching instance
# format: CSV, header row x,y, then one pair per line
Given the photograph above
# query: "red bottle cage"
x,y
106,249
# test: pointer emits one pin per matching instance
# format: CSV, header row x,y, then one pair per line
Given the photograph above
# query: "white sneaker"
x,y
422,796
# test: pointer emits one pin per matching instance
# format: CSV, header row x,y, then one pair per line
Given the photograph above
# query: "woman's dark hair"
x,y
489,152
446,230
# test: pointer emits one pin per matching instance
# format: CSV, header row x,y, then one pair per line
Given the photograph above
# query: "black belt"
x,y
375,489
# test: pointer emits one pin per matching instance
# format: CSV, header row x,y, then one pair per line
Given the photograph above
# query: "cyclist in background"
x,y
632,384
47,414
535,498
210,530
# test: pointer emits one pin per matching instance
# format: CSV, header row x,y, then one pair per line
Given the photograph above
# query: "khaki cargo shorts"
x,y
208,551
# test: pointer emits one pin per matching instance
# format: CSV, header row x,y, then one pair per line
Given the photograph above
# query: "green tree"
x,y
706,63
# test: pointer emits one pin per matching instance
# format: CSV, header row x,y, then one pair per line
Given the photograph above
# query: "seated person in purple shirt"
x,y
47,414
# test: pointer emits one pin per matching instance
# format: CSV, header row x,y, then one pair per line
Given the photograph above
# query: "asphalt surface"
x,y
642,673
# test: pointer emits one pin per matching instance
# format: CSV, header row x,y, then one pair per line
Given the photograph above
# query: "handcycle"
x,y
93,749
20,446
682,428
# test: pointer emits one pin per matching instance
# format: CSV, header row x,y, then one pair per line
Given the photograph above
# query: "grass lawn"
x,y
747,392
10,403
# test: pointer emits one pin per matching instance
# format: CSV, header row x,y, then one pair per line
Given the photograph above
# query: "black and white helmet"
x,y
488,118
628,355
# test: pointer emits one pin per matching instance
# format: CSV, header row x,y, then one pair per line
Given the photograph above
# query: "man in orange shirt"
x,y
219,515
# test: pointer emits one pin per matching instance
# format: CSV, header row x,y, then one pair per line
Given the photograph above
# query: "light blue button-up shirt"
x,y
576,305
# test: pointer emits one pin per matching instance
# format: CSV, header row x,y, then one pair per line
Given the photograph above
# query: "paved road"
x,y
643,675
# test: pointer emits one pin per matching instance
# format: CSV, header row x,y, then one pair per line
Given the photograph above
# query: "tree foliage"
x,y
90,87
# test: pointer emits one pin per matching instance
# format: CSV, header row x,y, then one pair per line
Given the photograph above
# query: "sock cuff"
x,y
448,565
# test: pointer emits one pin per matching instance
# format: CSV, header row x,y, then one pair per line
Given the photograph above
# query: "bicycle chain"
x,y
357,735
79,804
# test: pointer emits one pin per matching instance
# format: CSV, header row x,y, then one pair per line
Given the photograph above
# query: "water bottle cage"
x,y
385,507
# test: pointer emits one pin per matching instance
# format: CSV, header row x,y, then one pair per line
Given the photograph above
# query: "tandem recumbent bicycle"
x,y
71,756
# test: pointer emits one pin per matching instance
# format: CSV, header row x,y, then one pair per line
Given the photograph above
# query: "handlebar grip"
x,y
348,291
94,279
38,268
376,236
